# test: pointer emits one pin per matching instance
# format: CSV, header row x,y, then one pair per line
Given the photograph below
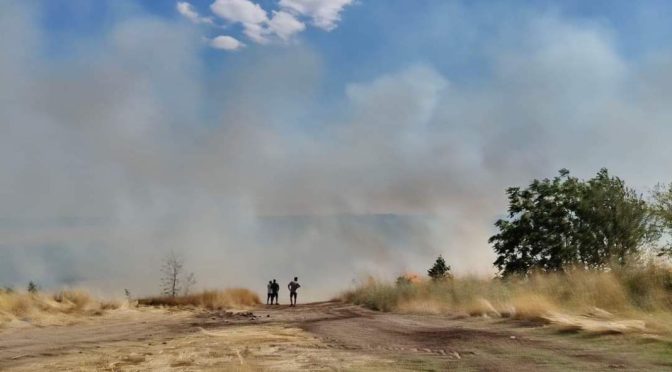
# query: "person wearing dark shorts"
x,y
276,291
293,286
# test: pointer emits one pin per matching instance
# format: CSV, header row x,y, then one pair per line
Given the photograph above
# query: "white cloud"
x,y
188,11
226,43
252,16
325,14
243,11
285,25
256,32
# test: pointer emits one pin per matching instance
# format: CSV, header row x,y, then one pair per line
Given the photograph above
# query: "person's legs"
x,y
292,297
269,297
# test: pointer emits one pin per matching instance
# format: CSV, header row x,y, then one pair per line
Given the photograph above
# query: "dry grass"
x,y
213,299
588,300
43,308
69,306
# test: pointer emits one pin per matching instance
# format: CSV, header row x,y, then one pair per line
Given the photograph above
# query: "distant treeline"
x,y
564,222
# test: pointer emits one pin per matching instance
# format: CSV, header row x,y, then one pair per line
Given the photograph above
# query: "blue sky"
x,y
377,37
130,130
440,32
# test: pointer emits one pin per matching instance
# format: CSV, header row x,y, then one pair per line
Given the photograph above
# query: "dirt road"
x,y
319,336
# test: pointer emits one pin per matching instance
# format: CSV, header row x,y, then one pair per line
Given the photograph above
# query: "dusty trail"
x,y
319,336
126,326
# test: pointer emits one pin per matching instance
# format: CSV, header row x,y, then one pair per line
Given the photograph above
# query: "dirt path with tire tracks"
x,y
318,336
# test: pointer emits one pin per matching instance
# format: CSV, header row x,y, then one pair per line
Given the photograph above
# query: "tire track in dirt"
x,y
454,340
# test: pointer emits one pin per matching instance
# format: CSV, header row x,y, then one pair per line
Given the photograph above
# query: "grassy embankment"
x,y
575,300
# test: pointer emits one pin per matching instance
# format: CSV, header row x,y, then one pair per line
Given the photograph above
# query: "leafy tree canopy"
x,y
662,208
556,223
439,271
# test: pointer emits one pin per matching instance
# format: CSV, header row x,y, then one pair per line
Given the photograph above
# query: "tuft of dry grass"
x,y
575,298
531,307
73,300
482,307
210,299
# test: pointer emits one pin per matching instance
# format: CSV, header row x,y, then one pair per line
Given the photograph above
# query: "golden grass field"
x,y
636,298
67,306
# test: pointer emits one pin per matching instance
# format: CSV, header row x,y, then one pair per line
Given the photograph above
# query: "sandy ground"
x,y
319,336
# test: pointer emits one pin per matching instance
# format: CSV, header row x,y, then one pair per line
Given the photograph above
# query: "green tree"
x,y
662,209
564,221
439,271
615,222
32,287
538,232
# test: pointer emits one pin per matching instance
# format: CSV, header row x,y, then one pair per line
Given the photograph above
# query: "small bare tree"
x,y
189,283
171,270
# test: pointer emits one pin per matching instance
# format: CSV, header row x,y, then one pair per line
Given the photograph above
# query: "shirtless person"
x,y
293,286
269,296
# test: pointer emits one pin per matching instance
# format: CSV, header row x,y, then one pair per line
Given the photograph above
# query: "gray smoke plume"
x,y
130,147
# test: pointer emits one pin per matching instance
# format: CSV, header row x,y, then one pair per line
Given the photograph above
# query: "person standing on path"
x,y
293,286
269,293
276,291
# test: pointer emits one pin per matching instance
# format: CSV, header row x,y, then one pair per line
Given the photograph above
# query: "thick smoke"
x,y
130,146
